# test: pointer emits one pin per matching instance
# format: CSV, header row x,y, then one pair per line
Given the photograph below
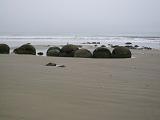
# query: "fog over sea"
x,y
43,42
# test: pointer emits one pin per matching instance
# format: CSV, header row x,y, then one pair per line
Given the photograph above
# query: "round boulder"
x,y
53,51
121,52
68,50
25,49
4,49
83,53
101,52
53,48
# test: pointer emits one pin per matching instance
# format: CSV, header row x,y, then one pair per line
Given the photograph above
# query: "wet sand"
x,y
86,89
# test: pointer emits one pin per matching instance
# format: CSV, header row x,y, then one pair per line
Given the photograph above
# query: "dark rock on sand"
x,y
83,53
68,50
54,64
25,49
103,46
4,49
136,46
147,48
51,64
40,53
121,52
128,43
101,52
53,51
53,48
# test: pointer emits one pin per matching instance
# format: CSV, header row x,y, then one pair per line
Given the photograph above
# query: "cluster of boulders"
x,y
70,50
100,52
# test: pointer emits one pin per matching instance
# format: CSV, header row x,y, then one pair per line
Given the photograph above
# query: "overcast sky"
x,y
79,17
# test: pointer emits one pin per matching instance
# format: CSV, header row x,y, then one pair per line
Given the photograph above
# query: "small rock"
x,y
136,46
128,43
40,53
103,46
51,64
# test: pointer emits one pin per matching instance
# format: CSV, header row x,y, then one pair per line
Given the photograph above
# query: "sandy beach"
x,y
86,89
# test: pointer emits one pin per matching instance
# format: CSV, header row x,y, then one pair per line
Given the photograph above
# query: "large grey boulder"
x,y
25,49
4,49
101,52
121,52
83,53
68,50
53,51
